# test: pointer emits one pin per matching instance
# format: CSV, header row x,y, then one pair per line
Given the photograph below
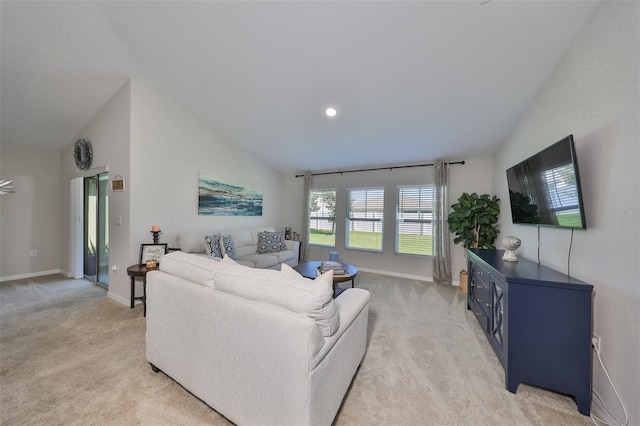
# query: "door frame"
x,y
76,219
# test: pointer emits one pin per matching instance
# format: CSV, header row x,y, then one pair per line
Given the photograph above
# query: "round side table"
x,y
135,271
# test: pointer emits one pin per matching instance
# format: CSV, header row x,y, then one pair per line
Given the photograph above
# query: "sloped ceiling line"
x,y
410,80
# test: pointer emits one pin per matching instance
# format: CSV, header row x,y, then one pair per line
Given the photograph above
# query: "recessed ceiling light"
x,y
330,112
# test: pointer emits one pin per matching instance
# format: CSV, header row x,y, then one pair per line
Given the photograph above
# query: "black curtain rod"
x,y
378,168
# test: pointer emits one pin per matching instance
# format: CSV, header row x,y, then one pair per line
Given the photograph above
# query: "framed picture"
x,y
226,199
117,184
151,252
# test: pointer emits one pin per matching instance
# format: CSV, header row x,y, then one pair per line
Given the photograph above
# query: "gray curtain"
x,y
441,240
306,212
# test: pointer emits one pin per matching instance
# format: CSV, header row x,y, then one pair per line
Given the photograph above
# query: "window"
x,y
322,221
414,213
365,218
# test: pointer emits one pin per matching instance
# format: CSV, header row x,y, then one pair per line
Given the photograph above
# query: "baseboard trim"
x,y
31,275
118,299
396,274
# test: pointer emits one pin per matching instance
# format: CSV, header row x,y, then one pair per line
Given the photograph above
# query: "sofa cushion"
x,y
198,269
228,246
260,260
212,245
241,237
283,290
283,256
191,242
270,242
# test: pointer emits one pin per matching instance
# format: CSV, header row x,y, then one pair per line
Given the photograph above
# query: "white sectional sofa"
x,y
261,347
245,245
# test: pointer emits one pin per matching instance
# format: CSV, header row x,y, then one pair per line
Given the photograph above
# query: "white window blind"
x,y
365,218
414,214
322,220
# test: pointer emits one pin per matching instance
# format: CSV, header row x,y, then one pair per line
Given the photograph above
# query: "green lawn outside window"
x,y
408,244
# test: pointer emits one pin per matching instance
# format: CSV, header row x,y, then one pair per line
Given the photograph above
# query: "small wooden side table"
x,y
135,271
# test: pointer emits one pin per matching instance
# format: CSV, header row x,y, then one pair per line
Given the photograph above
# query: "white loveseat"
x,y
261,347
245,244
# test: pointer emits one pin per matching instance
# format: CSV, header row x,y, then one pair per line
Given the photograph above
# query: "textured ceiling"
x,y
412,81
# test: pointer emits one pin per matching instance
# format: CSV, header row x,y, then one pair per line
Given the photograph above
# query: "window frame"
x,y
328,218
400,194
349,219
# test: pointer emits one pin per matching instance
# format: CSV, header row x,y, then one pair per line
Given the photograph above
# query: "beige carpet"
x,y
70,355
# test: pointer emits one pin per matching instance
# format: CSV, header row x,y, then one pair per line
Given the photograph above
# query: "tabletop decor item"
x,y
155,230
151,252
511,244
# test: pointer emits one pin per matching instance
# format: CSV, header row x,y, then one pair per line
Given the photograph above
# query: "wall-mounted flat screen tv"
x,y
545,190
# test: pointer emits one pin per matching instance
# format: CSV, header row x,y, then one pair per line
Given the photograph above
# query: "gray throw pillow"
x,y
270,242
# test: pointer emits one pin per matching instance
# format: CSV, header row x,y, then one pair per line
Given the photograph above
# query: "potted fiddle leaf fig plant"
x,y
474,220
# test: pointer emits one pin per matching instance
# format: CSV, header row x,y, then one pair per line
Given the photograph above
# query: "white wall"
x,y
30,218
161,149
474,176
594,94
109,135
170,149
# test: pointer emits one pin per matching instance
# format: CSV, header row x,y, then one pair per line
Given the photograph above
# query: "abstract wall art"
x,y
223,199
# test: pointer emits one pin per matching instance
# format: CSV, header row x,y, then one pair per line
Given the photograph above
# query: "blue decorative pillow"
x,y
229,249
212,245
270,242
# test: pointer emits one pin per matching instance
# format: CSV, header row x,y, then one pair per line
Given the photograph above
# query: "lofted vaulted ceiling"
x,y
411,81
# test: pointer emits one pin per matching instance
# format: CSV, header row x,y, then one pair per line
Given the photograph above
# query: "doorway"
x,y
96,229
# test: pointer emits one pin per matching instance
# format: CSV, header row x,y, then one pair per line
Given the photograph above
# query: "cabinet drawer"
x,y
482,281
482,317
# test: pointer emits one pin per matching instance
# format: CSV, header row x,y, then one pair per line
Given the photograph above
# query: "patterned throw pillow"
x,y
212,244
227,244
270,242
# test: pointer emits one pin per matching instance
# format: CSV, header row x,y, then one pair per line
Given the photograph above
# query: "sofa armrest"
x,y
351,304
294,246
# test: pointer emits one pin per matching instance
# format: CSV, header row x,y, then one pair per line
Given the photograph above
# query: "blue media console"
x,y
537,320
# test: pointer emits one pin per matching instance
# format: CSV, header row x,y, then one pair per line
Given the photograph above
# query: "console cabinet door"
x,y
498,318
